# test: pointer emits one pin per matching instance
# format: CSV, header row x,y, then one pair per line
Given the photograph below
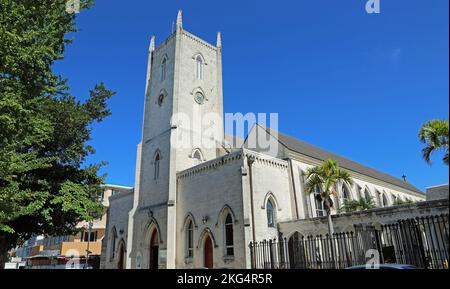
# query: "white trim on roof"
x,y
116,186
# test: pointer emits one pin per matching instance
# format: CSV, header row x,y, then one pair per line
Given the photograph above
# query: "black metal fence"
x,y
422,242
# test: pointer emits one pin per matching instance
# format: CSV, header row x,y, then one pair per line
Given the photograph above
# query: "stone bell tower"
x,y
182,126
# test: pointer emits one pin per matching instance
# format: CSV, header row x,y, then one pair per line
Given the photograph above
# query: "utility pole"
x,y
87,249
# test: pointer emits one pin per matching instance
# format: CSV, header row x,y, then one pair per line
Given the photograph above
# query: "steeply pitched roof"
x,y
234,141
321,154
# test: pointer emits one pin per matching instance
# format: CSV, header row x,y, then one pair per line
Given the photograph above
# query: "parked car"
x,y
383,267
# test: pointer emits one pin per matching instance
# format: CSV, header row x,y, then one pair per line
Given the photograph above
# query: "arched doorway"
x,y
208,253
154,250
297,257
121,263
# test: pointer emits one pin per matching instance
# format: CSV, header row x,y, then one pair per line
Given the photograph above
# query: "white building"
x,y
197,205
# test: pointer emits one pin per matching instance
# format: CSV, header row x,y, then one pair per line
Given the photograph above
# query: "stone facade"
x,y
115,241
378,216
437,192
172,90
196,205
207,193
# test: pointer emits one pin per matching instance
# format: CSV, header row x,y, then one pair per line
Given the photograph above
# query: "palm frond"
x,y
357,205
435,135
426,154
312,182
445,158
327,176
345,177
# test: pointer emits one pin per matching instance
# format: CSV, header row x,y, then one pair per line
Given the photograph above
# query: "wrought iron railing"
x,y
422,242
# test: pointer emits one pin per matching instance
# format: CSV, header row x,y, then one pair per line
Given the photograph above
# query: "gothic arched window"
x,y
358,191
160,99
199,62
156,166
394,199
320,212
229,236
384,201
345,194
163,69
367,195
270,208
190,239
113,243
197,156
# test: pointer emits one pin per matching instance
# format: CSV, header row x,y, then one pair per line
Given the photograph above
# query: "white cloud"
x,y
395,54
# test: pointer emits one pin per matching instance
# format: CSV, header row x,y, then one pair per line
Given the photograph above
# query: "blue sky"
x,y
354,83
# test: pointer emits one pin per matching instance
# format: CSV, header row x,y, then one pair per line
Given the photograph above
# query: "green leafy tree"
x,y
434,134
361,204
326,177
45,187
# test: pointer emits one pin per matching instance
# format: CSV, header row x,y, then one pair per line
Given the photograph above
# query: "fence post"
x,y
252,263
444,243
379,245
440,254
271,254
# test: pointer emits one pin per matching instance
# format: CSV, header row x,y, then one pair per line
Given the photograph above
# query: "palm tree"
x,y
402,202
357,205
326,177
434,134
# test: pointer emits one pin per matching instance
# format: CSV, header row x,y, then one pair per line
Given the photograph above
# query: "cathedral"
x,y
198,204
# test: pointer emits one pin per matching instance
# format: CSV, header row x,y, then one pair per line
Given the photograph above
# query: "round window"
x,y
199,98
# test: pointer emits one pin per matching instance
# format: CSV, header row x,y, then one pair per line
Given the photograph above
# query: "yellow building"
x,y
72,251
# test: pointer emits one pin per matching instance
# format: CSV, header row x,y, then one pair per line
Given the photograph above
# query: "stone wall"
x,y
346,222
206,194
119,207
437,192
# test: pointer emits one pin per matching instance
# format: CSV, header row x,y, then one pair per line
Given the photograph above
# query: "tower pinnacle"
x,y
152,44
180,19
219,39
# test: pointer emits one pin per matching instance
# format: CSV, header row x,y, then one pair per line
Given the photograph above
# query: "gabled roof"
x,y
307,149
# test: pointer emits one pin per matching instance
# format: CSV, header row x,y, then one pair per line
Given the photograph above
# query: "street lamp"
x,y
91,224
